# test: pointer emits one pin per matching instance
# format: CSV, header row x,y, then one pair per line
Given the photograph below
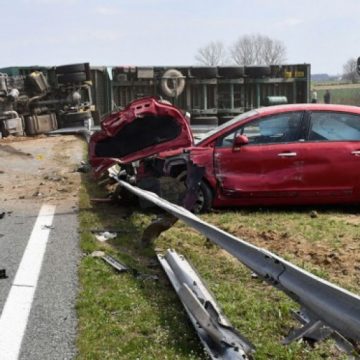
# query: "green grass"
x,y
340,94
123,317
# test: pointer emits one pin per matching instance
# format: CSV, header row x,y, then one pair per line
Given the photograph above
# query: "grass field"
x,y
122,316
347,94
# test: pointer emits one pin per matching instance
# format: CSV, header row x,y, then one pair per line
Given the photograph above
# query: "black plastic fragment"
x,y
3,274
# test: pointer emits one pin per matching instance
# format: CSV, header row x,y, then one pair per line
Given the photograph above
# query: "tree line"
x,y
257,49
251,49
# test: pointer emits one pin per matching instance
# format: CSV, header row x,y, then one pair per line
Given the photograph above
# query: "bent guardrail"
x,y
327,309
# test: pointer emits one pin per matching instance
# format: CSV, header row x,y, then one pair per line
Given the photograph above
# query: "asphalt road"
x,y
50,327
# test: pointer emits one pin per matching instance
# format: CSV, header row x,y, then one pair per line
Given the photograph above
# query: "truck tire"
x,y
170,78
74,119
72,68
204,72
205,120
76,77
257,71
231,72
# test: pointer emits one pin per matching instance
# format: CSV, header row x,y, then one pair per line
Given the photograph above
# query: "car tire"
x,y
204,200
204,72
257,71
231,72
73,68
76,77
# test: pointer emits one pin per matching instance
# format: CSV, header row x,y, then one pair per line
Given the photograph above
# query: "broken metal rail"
x,y
326,309
219,338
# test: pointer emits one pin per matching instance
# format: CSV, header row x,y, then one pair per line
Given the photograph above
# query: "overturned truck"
x,y
40,100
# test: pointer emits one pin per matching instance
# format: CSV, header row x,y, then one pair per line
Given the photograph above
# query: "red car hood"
x,y
145,127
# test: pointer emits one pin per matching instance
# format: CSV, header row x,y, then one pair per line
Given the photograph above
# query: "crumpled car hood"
x,y
144,128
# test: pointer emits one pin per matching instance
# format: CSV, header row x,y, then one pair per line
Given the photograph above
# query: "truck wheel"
x,y
73,68
204,72
205,120
257,71
74,119
72,78
172,83
231,72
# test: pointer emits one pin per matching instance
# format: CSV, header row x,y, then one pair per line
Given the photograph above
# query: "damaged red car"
x,y
278,155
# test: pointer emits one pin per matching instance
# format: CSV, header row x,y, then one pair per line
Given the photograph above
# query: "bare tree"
x,y
349,71
256,49
212,54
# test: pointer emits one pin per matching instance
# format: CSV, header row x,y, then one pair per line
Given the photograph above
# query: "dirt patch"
x,y
341,264
349,219
40,168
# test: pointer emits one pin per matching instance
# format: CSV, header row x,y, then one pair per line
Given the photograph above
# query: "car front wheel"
x,y
204,199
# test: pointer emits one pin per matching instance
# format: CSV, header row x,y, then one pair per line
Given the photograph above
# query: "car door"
x,y
332,158
270,165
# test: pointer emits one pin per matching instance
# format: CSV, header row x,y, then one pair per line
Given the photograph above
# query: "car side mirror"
x,y
240,140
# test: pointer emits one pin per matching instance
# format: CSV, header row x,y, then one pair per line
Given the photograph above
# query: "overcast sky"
x,y
169,32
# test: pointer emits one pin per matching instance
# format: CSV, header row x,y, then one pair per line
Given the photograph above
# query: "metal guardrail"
x,y
327,309
219,338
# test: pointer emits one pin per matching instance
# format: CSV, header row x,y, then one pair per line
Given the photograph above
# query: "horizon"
x,y
170,32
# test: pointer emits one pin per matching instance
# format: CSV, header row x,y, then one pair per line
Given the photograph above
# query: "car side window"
x,y
330,126
271,129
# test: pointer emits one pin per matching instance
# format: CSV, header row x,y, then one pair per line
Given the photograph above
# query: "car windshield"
x,y
225,125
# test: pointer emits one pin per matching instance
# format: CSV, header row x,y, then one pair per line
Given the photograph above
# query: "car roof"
x,y
308,107
276,109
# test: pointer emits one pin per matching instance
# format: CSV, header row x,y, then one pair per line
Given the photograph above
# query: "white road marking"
x,y
16,310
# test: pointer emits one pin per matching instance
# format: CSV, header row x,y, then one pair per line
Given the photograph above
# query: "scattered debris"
x,y
54,177
122,267
37,194
162,223
48,227
3,274
118,231
83,168
105,236
62,189
101,200
314,214
2,215
116,264
97,254
142,276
